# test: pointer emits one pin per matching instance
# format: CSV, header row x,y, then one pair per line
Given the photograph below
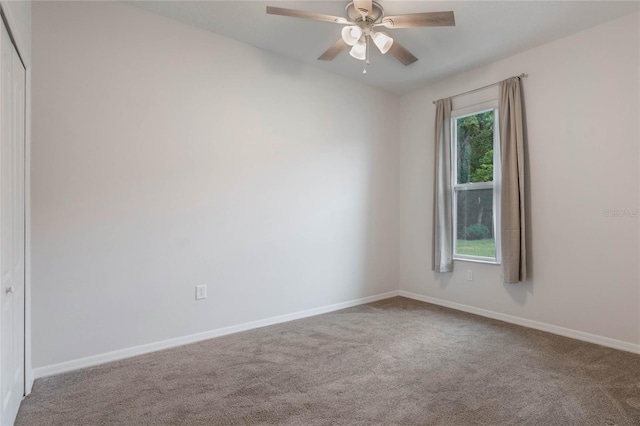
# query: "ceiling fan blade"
x,y
401,54
363,6
428,19
306,15
334,50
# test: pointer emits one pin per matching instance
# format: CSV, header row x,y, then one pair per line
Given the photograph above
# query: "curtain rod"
x,y
523,75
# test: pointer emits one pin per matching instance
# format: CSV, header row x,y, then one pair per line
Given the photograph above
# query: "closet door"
x,y
12,230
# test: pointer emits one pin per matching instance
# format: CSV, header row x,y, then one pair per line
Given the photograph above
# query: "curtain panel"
x,y
512,210
442,250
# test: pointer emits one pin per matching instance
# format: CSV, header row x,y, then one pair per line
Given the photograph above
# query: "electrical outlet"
x,y
201,292
469,275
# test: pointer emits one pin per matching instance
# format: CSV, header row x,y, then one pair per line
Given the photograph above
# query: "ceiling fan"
x,y
364,18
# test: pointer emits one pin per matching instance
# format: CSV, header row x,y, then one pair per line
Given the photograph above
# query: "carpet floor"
x,y
393,362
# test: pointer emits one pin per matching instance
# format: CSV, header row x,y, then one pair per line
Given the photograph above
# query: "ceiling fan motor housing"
x,y
373,17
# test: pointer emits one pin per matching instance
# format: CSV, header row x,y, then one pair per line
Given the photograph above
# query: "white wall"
x,y
582,109
165,157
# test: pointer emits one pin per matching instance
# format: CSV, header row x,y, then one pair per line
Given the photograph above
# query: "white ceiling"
x,y
485,31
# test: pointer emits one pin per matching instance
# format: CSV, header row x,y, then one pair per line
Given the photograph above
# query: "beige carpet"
x,y
396,361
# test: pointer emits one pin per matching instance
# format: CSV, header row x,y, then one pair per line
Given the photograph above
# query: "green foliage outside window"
x,y
477,231
484,170
475,148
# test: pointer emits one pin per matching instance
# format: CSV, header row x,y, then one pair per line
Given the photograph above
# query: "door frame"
x,y
18,38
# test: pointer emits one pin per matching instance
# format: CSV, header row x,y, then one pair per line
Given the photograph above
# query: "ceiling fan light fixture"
x,y
351,34
382,41
359,50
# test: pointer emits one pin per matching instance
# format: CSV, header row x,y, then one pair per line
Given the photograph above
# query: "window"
x,y
476,177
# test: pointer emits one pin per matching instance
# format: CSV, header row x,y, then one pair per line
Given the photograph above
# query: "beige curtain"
x,y
514,257
442,251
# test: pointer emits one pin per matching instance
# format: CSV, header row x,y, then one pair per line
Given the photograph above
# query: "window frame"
x,y
495,185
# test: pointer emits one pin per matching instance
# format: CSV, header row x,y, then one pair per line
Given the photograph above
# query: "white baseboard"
x,y
566,332
76,364
93,360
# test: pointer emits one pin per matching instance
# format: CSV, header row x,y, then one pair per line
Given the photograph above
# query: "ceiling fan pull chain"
x,y
366,62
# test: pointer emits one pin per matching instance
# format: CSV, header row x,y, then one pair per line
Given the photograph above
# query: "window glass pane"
x,y
474,224
475,147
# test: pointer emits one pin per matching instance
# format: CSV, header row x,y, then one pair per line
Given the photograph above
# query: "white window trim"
x,y
495,185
